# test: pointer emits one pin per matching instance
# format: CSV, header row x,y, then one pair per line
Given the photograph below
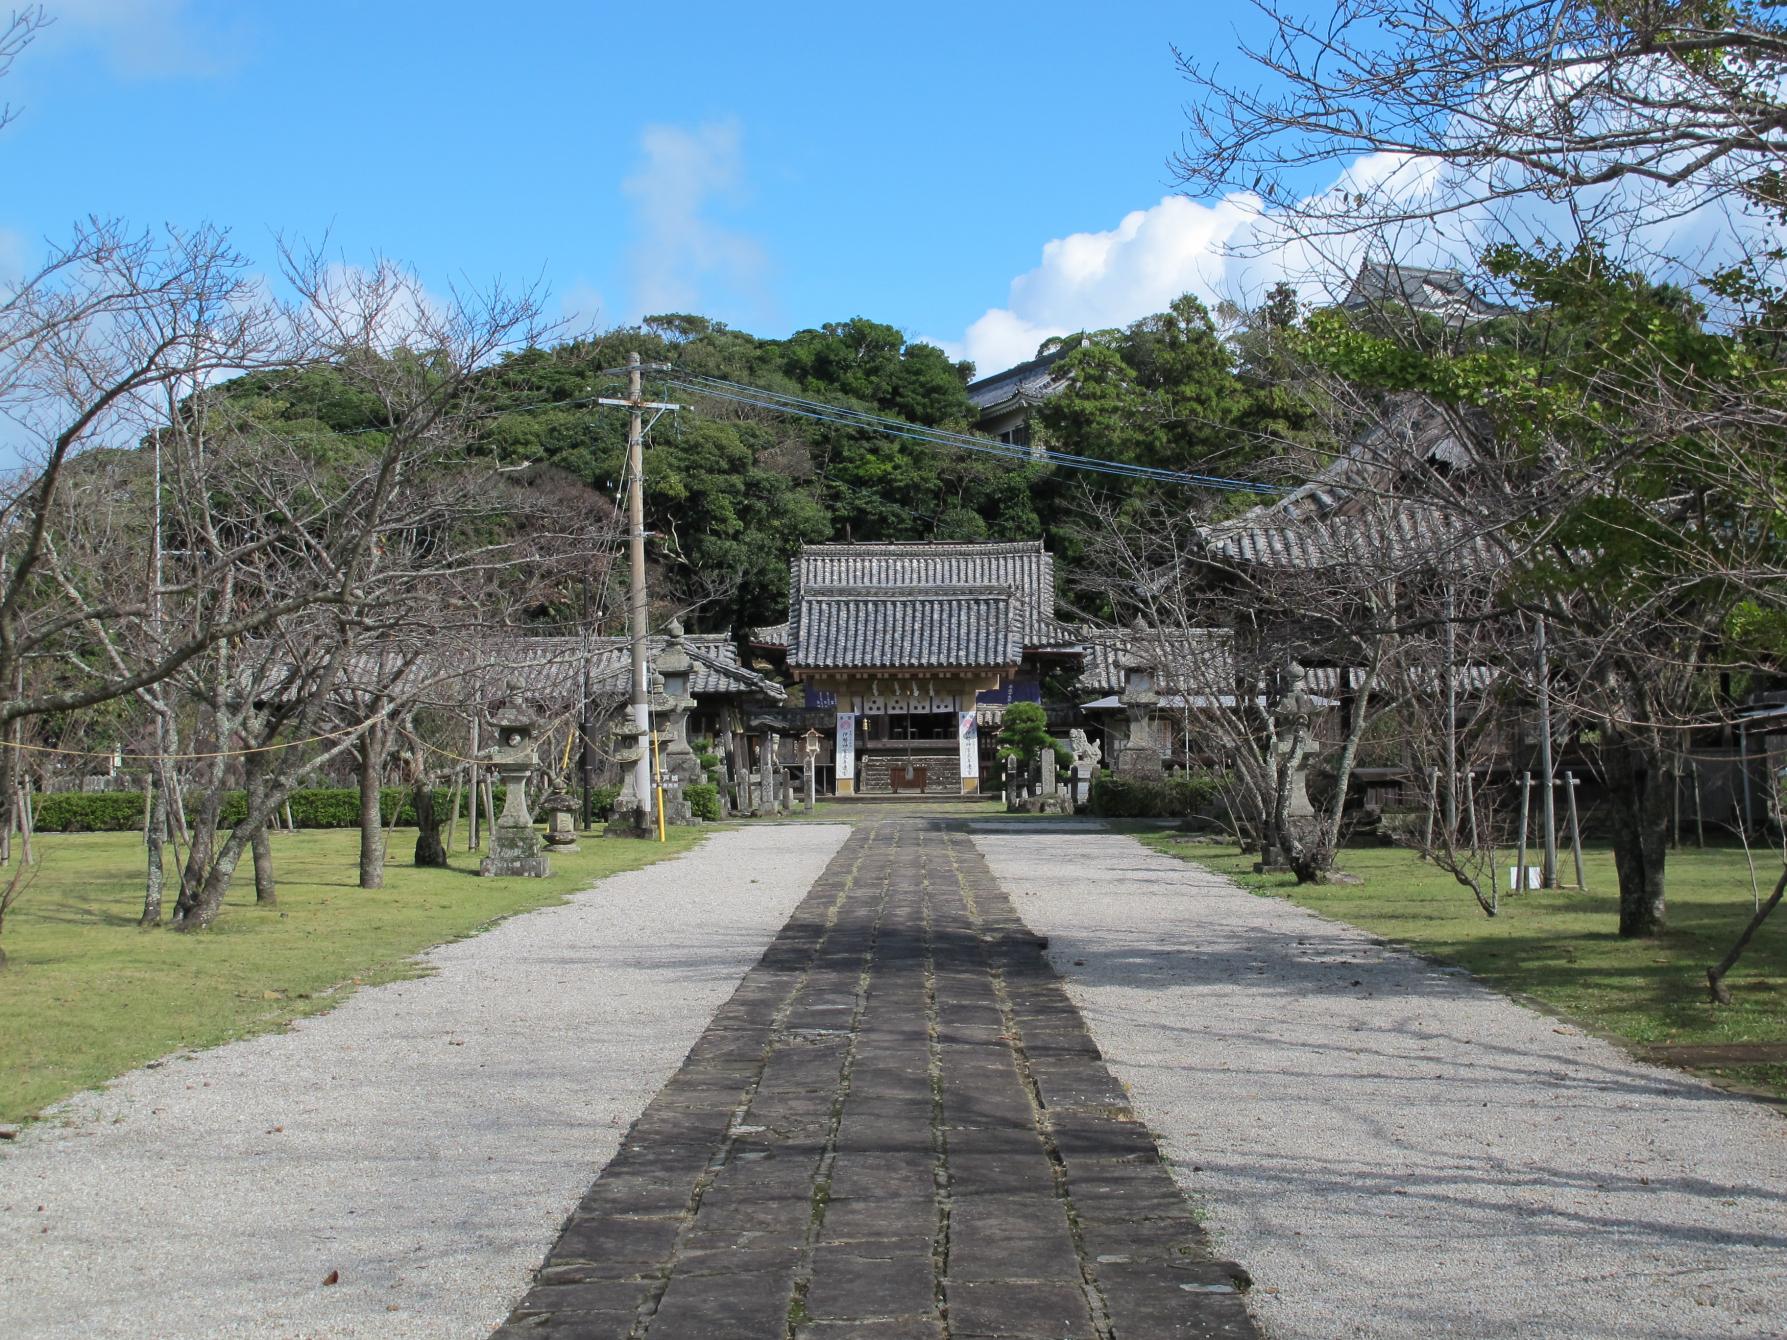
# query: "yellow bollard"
x,y
658,786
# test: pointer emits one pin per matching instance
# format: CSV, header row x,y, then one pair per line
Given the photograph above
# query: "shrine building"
x,y
910,648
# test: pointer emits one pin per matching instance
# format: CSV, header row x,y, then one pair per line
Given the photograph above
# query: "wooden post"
x,y
26,823
489,805
1699,814
453,808
1433,802
1470,804
477,789
1575,830
1548,863
1675,831
1526,791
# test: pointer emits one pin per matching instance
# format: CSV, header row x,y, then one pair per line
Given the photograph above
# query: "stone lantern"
x,y
671,772
1140,755
514,846
1292,720
561,829
677,671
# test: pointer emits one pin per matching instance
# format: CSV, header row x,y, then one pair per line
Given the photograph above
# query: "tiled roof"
x,y
1192,656
1024,569
1392,287
1031,381
849,628
1351,513
717,670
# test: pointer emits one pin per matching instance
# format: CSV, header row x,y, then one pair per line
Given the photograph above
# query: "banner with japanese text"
x,y
846,759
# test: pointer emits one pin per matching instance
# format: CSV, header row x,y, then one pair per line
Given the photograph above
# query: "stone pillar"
x,y
1048,771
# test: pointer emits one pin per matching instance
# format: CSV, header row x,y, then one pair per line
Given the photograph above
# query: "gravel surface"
x,y
1391,1148
425,1140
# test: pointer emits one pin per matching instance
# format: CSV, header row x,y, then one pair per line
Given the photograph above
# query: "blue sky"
x,y
773,166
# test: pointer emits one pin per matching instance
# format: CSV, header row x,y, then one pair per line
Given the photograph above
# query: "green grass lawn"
x,y
1562,947
87,995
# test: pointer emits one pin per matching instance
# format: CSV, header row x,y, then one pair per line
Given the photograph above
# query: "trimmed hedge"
x,y
704,800
87,812
1173,798
312,807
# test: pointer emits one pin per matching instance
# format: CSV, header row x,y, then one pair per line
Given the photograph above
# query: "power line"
x,y
786,403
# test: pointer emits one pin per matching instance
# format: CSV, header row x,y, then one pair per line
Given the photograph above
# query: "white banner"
x,y
970,737
846,752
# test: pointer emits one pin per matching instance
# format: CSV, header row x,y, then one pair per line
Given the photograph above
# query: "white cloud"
x,y
683,253
1236,251
151,39
1092,280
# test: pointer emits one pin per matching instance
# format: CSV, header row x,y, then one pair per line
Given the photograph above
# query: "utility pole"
x,y
1548,875
636,404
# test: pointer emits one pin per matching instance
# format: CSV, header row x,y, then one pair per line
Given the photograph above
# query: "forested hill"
x,y
732,491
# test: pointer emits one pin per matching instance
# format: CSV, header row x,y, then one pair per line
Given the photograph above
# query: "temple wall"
x,y
875,774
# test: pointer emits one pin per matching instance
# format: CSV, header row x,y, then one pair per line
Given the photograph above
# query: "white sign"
x,y
970,738
846,759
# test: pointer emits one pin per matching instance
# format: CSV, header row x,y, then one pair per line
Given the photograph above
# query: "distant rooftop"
x,y
1387,286
1027,382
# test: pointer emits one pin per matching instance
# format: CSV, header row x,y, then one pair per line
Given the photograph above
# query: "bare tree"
x,y
110,326
20,30
1679,104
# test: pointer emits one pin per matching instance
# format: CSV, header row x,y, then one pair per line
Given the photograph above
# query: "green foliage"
x,y
704,801
1170,798
732,494
312,807
1619,378
1025,732
1165,392
602,798
83,812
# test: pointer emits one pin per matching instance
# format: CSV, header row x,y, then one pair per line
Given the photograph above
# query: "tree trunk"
x,y
152,837
262,845
1638,798
201,847
430,851
201,906
1715,976
372,819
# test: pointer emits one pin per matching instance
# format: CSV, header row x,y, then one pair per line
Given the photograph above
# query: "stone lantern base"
x,y
515,850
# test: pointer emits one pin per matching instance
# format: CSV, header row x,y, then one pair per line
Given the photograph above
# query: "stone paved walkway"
x,y
897,1127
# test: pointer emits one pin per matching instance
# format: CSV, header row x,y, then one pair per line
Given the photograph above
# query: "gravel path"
x,y
1390,1148
426,1139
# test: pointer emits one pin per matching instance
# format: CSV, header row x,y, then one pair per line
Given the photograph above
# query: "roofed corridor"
x,y
898,1126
